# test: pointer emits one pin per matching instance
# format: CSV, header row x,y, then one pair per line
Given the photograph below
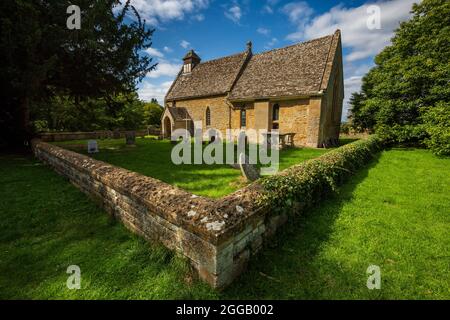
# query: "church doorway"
x,y
167,128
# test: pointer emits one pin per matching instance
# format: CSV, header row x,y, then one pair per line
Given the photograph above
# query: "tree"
x,y
437,126
131,114
62,113
355,116
42,58
152,112
410,77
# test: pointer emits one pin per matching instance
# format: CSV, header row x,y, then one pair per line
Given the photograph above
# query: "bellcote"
x,y
191,59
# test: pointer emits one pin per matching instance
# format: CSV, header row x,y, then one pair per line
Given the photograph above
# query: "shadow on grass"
x,y
153,158
290,267
344,141
47,225
394,218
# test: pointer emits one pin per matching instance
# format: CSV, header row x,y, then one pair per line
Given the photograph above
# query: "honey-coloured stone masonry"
x,y
304,82
218,236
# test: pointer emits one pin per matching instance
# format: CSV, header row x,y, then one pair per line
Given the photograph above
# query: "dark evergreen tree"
x,y
42,58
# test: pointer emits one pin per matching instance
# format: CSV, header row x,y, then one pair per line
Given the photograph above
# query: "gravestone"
x,y
130,137
248,170
92,146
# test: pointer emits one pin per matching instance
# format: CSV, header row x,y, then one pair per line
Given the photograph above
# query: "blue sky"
x,y
219,28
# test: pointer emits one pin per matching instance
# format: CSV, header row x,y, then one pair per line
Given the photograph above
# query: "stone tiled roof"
x,y
179,113
209,78
296,70
290,71
191,54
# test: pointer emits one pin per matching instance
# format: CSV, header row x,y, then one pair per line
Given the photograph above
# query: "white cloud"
x,y
351,84
356,36
297,11
167,49
150,90
356,68
359,41
234,14
165,68
154,52
268,7
263,31
198,17
185,44
271,43
156,11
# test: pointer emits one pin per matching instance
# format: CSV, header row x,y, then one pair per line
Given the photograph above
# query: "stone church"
x,y
298,89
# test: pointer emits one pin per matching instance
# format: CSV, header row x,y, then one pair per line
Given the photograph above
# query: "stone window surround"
x,y
208,117
243,118
276,115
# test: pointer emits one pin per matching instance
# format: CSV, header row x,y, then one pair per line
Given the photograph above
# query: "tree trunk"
x,y
24,123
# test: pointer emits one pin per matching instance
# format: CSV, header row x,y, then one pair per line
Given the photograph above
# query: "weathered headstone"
x,y
248,170
92,146
130,137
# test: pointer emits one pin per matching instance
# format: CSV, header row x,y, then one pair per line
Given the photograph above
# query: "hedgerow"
x,y
301,185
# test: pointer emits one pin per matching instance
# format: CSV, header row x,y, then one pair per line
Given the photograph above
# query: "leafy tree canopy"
x,y
63,113
410,78
153,112
42,58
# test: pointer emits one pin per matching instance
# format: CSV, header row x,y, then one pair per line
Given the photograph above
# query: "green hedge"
x,y
300,186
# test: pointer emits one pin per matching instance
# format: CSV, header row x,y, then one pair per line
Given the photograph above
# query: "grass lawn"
x,y
394,214
46,224
152,158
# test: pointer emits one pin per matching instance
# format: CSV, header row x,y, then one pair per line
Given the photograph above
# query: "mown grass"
x,y
394,214
47,224
152,158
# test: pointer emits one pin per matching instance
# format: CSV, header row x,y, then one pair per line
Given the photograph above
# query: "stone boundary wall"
x,y
104,134
218,236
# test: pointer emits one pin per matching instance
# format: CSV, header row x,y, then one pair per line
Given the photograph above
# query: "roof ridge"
x,y
233,74
233,64
295,44
215,59
275,49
